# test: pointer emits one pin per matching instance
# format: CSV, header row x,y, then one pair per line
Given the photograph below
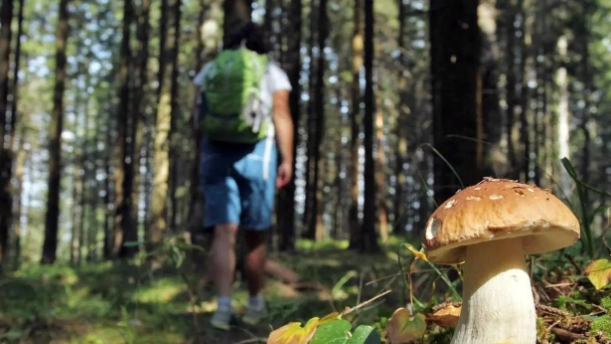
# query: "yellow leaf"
x,y
293,333
403,328
445,317
329,317
599,273
418,254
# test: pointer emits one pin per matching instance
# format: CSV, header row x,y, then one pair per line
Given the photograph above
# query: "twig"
x,y
363,304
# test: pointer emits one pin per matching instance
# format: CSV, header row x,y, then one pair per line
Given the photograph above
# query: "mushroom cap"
x,y
498,209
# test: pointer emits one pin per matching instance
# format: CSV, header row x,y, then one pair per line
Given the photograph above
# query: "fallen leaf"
x,y
403,328
293,333
418,254
599,273
445,317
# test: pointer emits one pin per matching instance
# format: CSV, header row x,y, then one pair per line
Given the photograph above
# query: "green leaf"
x,y
599,273
338,332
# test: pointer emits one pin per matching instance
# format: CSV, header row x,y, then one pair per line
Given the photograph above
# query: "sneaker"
x,y
252,315
221,319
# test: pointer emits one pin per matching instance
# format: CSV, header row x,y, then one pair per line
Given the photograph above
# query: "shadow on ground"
x,y
122,303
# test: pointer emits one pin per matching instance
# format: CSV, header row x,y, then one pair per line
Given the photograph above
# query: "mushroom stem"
x,y
498,304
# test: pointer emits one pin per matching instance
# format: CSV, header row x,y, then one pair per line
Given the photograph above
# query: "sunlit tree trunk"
x,y
166,110
381,177
49,249
564,116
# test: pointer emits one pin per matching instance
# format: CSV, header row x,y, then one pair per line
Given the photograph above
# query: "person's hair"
x,y
251,35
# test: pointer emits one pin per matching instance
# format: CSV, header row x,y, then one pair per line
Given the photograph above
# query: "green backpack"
x,y
231,106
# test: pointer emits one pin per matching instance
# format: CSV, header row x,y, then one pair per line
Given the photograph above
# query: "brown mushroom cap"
x,y
497,209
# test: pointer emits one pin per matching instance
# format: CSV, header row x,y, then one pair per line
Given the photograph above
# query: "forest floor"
x,y
121,303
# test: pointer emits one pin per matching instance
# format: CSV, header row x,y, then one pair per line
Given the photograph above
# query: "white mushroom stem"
x,y
498,304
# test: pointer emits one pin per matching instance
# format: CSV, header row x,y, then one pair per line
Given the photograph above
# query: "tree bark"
x,y
455,49
166,110
286,213
123,229
369,242
49,249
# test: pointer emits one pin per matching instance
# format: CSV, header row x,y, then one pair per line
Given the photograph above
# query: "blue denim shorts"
x,y
239,183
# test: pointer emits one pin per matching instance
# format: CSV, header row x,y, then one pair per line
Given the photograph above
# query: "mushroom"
x,y
490,227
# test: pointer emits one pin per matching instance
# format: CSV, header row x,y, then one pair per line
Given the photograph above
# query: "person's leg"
x,y
223,257
256,253
256,181
223,207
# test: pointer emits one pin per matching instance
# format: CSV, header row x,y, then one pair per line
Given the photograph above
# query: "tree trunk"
x,y
166,110
141,105
369,242
309,215
49,249
381,177
563,138
20,156
123,171
315,225
6,18
286,213
355,127
455,48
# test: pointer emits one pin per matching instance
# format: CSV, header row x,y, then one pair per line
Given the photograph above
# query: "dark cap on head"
x,y
251,35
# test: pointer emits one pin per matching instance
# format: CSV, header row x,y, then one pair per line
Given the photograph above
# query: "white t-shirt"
x,y
275,79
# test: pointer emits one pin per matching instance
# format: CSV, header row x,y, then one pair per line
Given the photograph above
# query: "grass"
x,y
120,303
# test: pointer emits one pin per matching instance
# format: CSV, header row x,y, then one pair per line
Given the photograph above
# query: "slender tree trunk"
x,y
141,101
369,242
286,215
123,170
355,127
310,210
381,177
564,116
22,155
165,111
6,18
315,226
49,249
16,68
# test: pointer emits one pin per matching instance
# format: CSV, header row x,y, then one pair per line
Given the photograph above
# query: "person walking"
x,y
242,118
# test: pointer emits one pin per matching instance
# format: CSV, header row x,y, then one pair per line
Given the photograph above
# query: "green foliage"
x,y
338,331
602,323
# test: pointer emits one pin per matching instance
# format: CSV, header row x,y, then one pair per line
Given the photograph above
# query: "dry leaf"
x,y
445,317
403,328
293,333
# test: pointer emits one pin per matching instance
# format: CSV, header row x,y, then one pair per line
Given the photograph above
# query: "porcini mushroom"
x,y
490,227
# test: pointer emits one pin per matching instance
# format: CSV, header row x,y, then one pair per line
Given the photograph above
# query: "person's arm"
x,y
283,123
194,119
